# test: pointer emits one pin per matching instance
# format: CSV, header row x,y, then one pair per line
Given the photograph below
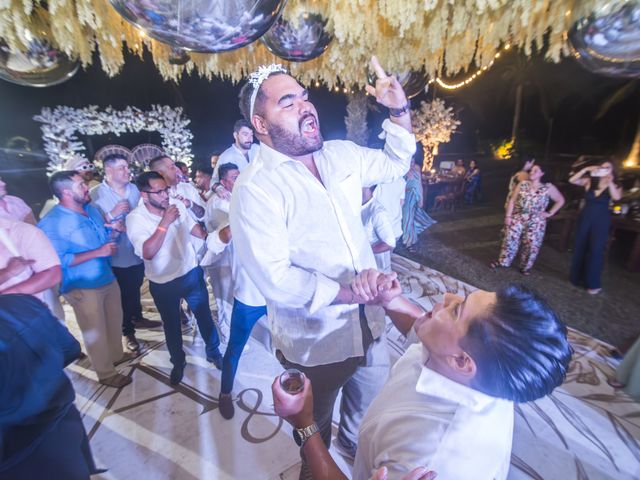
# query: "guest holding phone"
x,y
593,224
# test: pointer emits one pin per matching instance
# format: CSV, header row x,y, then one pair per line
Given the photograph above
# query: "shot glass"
x,y
292,381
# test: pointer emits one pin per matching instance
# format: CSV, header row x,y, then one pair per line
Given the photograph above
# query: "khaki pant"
x,y
99,316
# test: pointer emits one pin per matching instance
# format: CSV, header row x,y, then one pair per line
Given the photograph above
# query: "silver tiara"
x,y
259,76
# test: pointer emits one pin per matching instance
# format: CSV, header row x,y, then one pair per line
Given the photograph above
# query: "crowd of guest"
x,y
298,229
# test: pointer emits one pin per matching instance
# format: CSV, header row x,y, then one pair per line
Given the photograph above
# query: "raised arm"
x,y
578,177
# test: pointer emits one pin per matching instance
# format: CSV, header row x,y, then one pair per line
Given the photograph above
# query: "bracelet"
x,y
398,112
162,229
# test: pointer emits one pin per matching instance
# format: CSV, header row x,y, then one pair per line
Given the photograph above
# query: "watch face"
x,y
297,438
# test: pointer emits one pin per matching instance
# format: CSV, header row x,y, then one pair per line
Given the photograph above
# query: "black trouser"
x,y
327,380
130,280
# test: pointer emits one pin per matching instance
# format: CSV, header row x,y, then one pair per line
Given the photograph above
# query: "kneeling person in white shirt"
x,y
448,403
161,234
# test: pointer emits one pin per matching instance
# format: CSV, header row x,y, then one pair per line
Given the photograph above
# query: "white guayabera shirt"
x,y
299,239
421,418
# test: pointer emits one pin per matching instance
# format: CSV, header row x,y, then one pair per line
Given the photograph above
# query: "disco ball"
x,y
298,42
608,40
413,82
40,66
178,56
207,26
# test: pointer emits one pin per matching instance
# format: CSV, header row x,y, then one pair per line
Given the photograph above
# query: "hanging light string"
x,y
472,77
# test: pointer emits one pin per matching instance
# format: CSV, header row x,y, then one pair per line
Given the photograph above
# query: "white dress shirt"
x,y
188,191
234,155
299,239
421,418
176,256
391,196
378,226
217,218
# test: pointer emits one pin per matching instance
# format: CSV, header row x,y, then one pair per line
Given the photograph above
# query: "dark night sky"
x,y
485,107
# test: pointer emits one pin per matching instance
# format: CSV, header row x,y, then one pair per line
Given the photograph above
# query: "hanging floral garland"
x,y
442,36
433,124
61,126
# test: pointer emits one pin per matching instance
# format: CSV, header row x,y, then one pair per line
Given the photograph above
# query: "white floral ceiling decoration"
x,y
444,37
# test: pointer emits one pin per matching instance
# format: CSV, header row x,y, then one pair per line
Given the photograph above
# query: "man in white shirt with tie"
x,y
448,403
161,232
295,218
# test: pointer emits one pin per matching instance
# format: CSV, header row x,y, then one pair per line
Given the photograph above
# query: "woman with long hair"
x,y
526,220
592,230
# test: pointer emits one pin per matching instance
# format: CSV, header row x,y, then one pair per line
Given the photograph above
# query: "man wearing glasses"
x,y
161,233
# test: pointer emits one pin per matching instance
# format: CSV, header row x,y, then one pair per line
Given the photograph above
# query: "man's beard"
x,y
81,200
246,145
294,145
156,204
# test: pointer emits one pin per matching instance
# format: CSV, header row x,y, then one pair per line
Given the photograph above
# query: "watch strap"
x,y
398,112
305,433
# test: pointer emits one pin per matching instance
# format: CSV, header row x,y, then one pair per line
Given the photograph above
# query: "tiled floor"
x,y
585,430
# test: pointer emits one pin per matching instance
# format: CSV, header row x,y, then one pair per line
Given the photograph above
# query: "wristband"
x,y
162,229
398,112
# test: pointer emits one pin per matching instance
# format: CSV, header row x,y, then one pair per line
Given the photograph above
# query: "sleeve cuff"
x,y
401,142
326,292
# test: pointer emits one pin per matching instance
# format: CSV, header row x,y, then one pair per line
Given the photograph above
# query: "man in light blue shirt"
x,y
78,234
115,197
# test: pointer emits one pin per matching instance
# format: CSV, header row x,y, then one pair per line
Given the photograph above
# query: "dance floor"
x,y
584,430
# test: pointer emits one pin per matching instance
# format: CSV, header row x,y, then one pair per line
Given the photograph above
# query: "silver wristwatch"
x,y
301,435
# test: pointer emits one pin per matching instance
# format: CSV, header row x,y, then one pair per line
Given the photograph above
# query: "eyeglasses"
x,y
164,191
85,167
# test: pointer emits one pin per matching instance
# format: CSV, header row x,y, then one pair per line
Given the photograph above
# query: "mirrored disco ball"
x,y
40,66
202,25
178,56
298,41
608,40
413,82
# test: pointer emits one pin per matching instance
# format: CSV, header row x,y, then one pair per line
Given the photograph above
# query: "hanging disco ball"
x,y
413,82
178,56
206,26
608,40
40,66
298,42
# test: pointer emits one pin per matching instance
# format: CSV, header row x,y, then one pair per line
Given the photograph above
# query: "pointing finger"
x,y
377,68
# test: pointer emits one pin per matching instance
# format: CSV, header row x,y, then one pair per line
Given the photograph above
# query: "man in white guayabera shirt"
x,y
448,403
295,218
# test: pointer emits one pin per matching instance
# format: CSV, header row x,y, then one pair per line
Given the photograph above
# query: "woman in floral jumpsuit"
x,y
526,220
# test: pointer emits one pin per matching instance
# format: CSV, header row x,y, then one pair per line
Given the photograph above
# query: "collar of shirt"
x,y
436,385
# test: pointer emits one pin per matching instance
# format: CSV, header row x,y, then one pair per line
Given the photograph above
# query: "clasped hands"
x,y
371,287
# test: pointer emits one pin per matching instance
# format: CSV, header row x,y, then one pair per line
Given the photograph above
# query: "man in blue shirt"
x,y
115,197
77,232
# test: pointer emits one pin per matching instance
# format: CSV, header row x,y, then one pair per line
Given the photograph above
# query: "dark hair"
x,y
155,160
241,124
180,164
245,99
204,168
225,168
142,180
520,346
60,181
113,158
595,181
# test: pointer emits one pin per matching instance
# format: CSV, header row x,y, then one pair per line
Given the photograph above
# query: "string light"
x,y
472,77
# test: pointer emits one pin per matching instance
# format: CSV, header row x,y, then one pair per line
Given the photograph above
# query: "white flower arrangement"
x,y
61,126
433,124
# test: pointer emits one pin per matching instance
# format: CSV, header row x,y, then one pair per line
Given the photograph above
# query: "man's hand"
x,y
222,192
121,207
225,234
17,265
186,201
420,473
372,287
118,226
107,249
170,215
388,90
295,409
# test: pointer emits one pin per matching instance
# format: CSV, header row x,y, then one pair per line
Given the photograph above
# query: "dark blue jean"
x,y
243,318
167,297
